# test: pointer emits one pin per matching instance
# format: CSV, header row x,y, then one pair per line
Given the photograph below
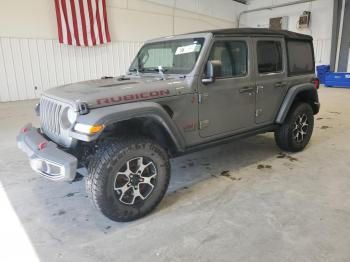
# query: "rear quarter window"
x,y
300,57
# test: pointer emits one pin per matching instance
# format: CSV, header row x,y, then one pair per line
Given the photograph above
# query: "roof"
x,y
258,31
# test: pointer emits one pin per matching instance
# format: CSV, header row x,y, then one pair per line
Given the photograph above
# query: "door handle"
x,y
246,89
280,84
259,87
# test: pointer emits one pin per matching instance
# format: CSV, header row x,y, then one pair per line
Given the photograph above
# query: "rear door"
x,y
270,77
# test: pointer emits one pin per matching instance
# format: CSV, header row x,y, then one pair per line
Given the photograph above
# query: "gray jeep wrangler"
x,y
182,93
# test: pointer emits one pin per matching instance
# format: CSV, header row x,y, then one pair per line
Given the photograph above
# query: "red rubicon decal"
x,y
132,97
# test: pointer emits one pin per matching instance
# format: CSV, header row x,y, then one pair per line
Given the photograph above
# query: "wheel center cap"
x,y
135,180
300,126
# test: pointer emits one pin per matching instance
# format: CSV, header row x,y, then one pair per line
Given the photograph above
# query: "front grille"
x,y
50,111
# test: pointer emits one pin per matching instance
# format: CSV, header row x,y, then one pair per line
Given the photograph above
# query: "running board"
x,y
223,140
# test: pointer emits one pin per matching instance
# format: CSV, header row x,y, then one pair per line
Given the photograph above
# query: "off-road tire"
x,y
111,156
284,134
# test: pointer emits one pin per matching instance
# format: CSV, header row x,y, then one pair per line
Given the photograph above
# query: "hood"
x,y
112,91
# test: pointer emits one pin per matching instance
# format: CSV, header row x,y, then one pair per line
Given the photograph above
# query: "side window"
x,y
300,57
233,56
269,57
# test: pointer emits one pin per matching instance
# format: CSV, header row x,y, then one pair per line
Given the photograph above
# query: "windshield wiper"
x,y
155,69
158,69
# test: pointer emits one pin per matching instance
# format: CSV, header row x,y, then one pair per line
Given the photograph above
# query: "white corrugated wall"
x,y
29,66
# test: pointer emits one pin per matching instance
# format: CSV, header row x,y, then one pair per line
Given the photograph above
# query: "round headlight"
x,y
68,117
72,115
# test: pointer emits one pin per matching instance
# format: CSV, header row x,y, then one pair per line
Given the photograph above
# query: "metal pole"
x,y
339,36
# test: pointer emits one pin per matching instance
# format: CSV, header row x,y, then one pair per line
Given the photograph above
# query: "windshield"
x,y
171,57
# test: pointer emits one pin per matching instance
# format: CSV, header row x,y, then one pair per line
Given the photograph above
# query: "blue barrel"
x,y
340,79
322,70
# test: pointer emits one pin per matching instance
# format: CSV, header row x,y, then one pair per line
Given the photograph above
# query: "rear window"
x,y
300,57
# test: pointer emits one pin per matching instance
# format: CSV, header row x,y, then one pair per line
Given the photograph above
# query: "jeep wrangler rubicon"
x,y
181,93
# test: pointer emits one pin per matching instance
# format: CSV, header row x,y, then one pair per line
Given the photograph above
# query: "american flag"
x,y
82,22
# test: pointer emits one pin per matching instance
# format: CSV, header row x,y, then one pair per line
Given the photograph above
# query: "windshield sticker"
x,y
187,49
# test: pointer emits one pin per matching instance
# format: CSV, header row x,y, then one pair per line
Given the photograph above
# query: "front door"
x,y
227,106
270,77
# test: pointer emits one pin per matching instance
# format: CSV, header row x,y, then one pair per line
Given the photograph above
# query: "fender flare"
x,y
114,114
290,97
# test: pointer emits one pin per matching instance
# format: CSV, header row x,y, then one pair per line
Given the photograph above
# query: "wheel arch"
x,y
298,93
146,118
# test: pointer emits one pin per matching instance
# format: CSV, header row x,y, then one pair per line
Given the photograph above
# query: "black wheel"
x,y
128,178
295,133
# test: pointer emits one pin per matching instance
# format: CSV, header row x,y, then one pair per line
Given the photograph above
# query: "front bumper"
x,y
45,157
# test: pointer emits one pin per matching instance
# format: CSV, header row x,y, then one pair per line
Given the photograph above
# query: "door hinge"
x,y
203,124
202,98
258,112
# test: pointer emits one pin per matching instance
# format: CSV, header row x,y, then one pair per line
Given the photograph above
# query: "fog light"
x,y
36,164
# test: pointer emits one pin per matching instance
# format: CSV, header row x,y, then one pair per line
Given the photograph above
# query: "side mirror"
x,y
213,71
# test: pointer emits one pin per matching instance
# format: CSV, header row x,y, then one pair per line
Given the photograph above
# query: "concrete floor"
x,y
268,206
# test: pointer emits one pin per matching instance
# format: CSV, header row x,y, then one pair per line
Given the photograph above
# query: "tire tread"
x,y
95,179
283,133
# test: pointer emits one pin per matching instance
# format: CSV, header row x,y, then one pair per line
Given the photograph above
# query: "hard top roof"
x,y
258,31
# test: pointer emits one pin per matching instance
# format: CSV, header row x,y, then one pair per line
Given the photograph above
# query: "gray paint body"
x,y
202,113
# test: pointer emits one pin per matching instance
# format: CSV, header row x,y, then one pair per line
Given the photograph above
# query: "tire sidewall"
x,y
108,199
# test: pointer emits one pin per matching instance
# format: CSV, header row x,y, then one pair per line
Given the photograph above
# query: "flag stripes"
x,y
82,22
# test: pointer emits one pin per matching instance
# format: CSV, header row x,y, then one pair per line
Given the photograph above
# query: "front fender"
x,y
113,114
290,98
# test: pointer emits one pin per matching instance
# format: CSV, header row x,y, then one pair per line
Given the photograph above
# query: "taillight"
x,y
316,82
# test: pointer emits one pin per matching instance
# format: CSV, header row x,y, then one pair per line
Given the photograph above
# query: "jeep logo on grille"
x,y
132,97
